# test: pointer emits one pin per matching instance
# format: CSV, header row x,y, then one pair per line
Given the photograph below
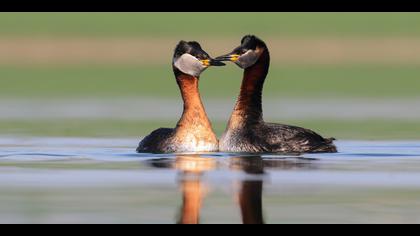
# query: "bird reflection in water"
x,y
192,186
192,169
250,190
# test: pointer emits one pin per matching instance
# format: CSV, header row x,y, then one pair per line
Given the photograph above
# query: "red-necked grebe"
x,y
246,130
194,132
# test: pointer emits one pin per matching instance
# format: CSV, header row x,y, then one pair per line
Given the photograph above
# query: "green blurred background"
x,y
347,75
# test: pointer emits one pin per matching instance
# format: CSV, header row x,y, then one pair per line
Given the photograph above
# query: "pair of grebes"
x,y
246,131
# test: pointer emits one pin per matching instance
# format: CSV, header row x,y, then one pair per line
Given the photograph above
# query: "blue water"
x,y
79,180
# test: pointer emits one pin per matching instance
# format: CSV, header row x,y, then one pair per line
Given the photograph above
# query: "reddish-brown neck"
x,y
248,108
194,114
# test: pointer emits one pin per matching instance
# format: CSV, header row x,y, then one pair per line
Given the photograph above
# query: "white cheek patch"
x,y
247,59
189,65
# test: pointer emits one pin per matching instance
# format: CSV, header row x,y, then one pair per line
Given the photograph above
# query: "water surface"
x,y
81,180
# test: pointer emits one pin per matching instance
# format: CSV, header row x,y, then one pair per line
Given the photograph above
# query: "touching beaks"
x,y
228,57
212,62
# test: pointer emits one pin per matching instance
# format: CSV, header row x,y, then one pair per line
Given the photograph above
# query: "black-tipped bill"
x,y
228,57
212,62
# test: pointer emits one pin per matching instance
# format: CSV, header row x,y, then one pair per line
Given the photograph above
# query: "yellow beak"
x,y
234,57
206,62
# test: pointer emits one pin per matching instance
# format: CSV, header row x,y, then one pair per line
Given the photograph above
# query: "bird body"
x,y
247,131
194,132
274,138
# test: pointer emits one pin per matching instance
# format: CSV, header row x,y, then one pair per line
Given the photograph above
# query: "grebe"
x,y
194,132
246,130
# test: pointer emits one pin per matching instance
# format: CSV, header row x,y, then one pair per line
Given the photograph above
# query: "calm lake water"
x,y
79,180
